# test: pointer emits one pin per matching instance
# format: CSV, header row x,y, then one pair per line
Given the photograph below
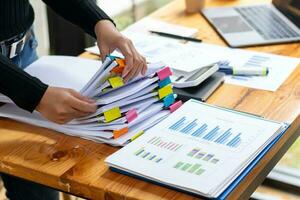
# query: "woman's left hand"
x,y
110,39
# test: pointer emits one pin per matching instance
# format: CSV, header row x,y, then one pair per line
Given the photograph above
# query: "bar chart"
x,y
161,143
195,168
143,153
212,133
200,154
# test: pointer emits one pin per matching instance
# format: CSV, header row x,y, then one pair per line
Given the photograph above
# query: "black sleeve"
x,y
26,91
84,13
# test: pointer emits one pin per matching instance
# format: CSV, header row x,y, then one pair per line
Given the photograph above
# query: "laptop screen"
x,y
290,8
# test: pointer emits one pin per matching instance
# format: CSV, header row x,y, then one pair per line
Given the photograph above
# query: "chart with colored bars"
x,y
256,61
159,142
142,153
214,134
201,154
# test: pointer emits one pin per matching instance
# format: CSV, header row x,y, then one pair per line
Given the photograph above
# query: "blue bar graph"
x,y
224,136
200,131
178,124
211,134
235,140
189,127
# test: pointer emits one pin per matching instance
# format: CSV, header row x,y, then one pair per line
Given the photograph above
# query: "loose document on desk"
x,y
167,50
192,55
199,148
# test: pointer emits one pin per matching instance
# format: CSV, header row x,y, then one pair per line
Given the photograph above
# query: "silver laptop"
x,y
241,26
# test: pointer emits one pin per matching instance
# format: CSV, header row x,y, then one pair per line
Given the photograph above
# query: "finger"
x,y
130,75
144,66
83,98
140,62
82,106
79,114
139,68
104,52
127,52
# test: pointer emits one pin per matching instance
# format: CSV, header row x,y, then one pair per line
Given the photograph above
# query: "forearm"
x,y
84,13
26,91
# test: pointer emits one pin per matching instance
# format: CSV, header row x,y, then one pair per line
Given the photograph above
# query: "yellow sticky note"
x,y
165,91
112,114
116,82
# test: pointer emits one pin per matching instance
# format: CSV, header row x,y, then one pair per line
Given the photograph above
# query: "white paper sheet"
x,y
212,150
280,67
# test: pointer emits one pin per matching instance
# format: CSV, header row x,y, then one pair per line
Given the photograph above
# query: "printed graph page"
x,y
199,148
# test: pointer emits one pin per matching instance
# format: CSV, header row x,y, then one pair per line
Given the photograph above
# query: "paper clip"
x,y
164,73
131,115
165,91
112,114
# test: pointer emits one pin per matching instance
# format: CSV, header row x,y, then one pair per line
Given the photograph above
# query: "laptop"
x,y
252,25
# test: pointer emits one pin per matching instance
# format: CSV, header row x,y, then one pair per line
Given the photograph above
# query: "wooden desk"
x,y
76,166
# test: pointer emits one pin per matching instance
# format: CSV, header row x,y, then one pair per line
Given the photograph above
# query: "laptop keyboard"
x,y
266,22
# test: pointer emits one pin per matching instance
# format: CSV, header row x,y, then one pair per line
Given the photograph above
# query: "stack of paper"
x,y
200,149
124,109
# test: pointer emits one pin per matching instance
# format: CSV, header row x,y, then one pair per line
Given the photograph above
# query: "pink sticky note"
x,y
131,115
164,73
175,106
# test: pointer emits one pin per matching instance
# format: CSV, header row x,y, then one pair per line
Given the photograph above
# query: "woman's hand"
x,y
61,105
110,39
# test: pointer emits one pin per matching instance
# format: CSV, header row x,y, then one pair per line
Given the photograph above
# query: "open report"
x,y
200,149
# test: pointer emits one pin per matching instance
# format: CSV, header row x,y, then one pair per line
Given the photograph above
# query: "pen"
x,y
169,35
245,71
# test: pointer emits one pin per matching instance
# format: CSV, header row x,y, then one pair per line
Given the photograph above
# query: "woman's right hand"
x,y
62,105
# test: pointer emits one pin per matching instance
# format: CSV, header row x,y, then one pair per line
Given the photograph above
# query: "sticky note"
x,y
119,133
164,82
175,106
112,57
169,100
121,62
137,135
165,91
118,69
131,115
112,114
164,73
116,82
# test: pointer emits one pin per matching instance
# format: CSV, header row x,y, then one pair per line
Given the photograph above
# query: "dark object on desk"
x,y
176,36
202,91
242,26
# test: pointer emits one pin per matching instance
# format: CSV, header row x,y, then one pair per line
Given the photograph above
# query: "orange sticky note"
x,y
118,69
118,133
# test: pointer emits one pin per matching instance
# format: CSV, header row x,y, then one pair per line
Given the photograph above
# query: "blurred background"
x,y
57,36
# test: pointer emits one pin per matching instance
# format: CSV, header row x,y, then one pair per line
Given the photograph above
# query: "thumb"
x,y
104,51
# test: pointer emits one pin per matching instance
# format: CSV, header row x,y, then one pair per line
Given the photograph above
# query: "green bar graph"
x,y
194,168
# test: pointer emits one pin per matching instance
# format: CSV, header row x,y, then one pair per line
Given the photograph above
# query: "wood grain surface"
x,y
77,166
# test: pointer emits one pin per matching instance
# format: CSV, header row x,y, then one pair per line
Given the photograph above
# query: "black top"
x,y
16,17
